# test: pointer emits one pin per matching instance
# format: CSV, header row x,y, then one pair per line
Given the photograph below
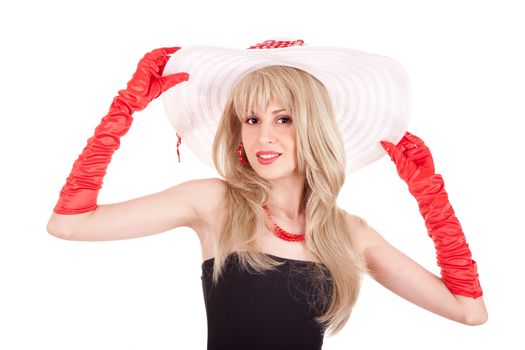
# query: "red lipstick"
x,y
267,157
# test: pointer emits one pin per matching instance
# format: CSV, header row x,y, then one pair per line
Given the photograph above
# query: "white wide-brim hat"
x,y
370,93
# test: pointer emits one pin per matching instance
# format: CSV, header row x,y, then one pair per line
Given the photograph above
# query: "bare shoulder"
x,y
355,221
212,185
207,194
207,200
362,233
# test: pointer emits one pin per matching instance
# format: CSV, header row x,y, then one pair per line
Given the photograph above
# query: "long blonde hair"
x,y
321,159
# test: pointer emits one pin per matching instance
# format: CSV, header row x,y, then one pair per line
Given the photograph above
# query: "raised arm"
x,y
77,203
457,294
411,281
180,205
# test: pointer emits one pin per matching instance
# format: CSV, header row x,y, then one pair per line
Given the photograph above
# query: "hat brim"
x,y
370,93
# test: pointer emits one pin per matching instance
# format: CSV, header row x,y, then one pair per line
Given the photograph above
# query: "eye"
x,y
251,120
285,120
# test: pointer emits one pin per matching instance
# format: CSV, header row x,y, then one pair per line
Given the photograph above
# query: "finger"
x,y
404,166
421,157
172,80
165,56
417,153
414,139
171,50
406,142
391,149
416,148
398,157
163,51
413,147
387,146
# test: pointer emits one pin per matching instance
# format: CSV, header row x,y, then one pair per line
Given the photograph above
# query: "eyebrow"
x,y
274,112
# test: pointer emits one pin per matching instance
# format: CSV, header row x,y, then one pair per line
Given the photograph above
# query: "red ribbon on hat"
x,y
275,44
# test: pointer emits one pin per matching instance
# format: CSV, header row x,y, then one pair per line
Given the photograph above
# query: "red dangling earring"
x,y
243,161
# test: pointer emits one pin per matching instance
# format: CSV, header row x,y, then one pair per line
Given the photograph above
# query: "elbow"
x,y
476,319
67,226
58,231
471,310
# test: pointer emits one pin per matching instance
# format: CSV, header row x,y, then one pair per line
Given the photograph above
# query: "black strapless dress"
x,y
270,311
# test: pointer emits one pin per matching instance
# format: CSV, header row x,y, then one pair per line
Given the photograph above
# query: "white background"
x,y
62,63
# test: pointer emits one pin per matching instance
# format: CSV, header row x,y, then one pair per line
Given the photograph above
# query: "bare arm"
x,y
180,205
406,278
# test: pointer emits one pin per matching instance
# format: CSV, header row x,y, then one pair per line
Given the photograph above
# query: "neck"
x,y
286,198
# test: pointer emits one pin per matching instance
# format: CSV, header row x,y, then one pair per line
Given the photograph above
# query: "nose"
x,y
266,133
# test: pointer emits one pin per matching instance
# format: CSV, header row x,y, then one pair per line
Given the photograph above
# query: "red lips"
x,y
266,153
262,160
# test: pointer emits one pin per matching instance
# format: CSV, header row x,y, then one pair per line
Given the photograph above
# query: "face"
x,y
269,142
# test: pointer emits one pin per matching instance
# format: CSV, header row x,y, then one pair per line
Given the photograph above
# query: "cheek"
x,y
246,136
291,139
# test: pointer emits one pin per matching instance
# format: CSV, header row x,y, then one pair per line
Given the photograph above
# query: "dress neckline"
x,y
210,260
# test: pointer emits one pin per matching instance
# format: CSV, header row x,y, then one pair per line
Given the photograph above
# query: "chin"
x,y
275,174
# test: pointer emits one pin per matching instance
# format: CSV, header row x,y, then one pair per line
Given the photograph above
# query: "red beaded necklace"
x,y
282,234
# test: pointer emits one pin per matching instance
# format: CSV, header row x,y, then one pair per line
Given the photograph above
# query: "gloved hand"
x,y
79,194
415,166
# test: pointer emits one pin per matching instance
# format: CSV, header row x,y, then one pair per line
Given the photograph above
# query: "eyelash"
x,y
287,118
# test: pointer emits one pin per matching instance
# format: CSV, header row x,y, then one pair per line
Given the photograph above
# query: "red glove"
x,y
79,194
415,166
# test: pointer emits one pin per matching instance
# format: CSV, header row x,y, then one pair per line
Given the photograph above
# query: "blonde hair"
x,y
321,158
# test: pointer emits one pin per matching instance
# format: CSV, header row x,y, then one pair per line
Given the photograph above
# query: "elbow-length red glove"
x,y
415,166
79,194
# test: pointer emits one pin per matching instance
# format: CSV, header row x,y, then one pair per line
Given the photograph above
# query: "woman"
x,y
282,262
